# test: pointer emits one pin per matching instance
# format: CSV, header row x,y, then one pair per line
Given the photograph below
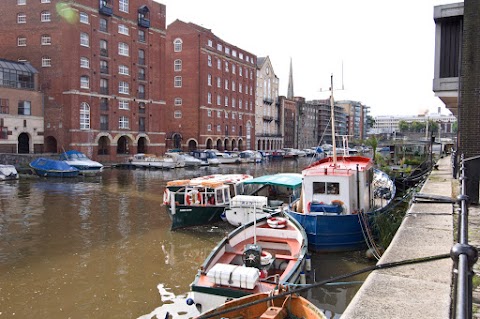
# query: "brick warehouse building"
x,y
210,90
100,67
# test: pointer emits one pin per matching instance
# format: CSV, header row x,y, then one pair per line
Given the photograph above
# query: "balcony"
x,y
104,104
141,95
267,118
268,101
104,126
103,52
104,90
104,70
144,23
105,9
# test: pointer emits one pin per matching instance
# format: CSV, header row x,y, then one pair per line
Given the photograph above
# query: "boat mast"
x,y
332,108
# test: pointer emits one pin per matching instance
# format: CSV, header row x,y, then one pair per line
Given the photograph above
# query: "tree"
x,y
373,143
370,121
403,126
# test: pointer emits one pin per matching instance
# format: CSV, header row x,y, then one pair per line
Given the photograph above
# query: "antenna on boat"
x,y
332,108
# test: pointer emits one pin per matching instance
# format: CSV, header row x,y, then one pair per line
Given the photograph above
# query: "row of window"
x,y
24,107
227,100
226,86
24,2
228,65
178,47
123,86
45,16
123,121
45,39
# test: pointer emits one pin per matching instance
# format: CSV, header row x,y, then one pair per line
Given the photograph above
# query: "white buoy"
x,y
303,278
308,263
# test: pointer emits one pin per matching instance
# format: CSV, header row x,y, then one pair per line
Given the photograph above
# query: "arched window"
x,y
177,45
84,116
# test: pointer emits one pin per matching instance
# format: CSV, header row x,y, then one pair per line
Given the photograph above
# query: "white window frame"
x,y
123,105
177,114
84,82
45,1
177,45
240,71
219,82
45,16
123,70
84,18
226,66
219,99
177,81
123,122
21,18
233,68
209,113
123,87
209,80
210,43
209,60
84,116
21,2
123,29
240,116
84,63
226,115
219,47
219,64
177,65
123,49
178,101
123,5
234,53
46,61
227,50
219,114
209,98
21,41
219,128
240,55
209,127
226,100
234,102
226,84
240,87
233,86
46,39
84,39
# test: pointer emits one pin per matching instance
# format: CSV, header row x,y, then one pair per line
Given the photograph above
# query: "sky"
x,y
379,52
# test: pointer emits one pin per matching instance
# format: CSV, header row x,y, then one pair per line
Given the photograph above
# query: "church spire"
x,y
290,82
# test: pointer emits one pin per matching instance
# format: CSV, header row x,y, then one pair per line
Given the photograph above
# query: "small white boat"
x,y
225,158
254,258
267,194
80,161
250,157
8,172
177,158
142,160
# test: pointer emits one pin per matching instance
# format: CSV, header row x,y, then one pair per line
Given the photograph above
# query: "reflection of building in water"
x,y
332,299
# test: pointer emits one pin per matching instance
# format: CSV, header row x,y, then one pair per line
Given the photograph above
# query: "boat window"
x,y
326,188
333,188
319,187
219,196
226,195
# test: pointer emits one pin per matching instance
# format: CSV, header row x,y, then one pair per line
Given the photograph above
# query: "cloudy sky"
x,y
386,48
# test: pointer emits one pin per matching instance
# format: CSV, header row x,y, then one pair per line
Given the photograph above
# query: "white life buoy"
x,y
193,197
266,258
277,222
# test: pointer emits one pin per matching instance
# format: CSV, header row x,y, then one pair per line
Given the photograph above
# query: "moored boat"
x,y
340,194
8,172
253,258
142,160
276,304
47,167
201,200
80,161
262,196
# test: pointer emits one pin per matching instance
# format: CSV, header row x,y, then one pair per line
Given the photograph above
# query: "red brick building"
x,y
101,68
210,91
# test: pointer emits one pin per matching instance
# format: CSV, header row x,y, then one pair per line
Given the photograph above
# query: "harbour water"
x,y
102,247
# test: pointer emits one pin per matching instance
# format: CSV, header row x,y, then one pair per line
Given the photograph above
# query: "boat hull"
x,y
332,233
252,307
187,216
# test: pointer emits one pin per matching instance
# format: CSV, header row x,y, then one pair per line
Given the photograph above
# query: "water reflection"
x,y
102,247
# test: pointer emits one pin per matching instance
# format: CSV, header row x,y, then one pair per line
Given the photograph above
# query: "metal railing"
x,y
463,255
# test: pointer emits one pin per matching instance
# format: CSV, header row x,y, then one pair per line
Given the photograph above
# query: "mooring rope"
x,y
323,282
